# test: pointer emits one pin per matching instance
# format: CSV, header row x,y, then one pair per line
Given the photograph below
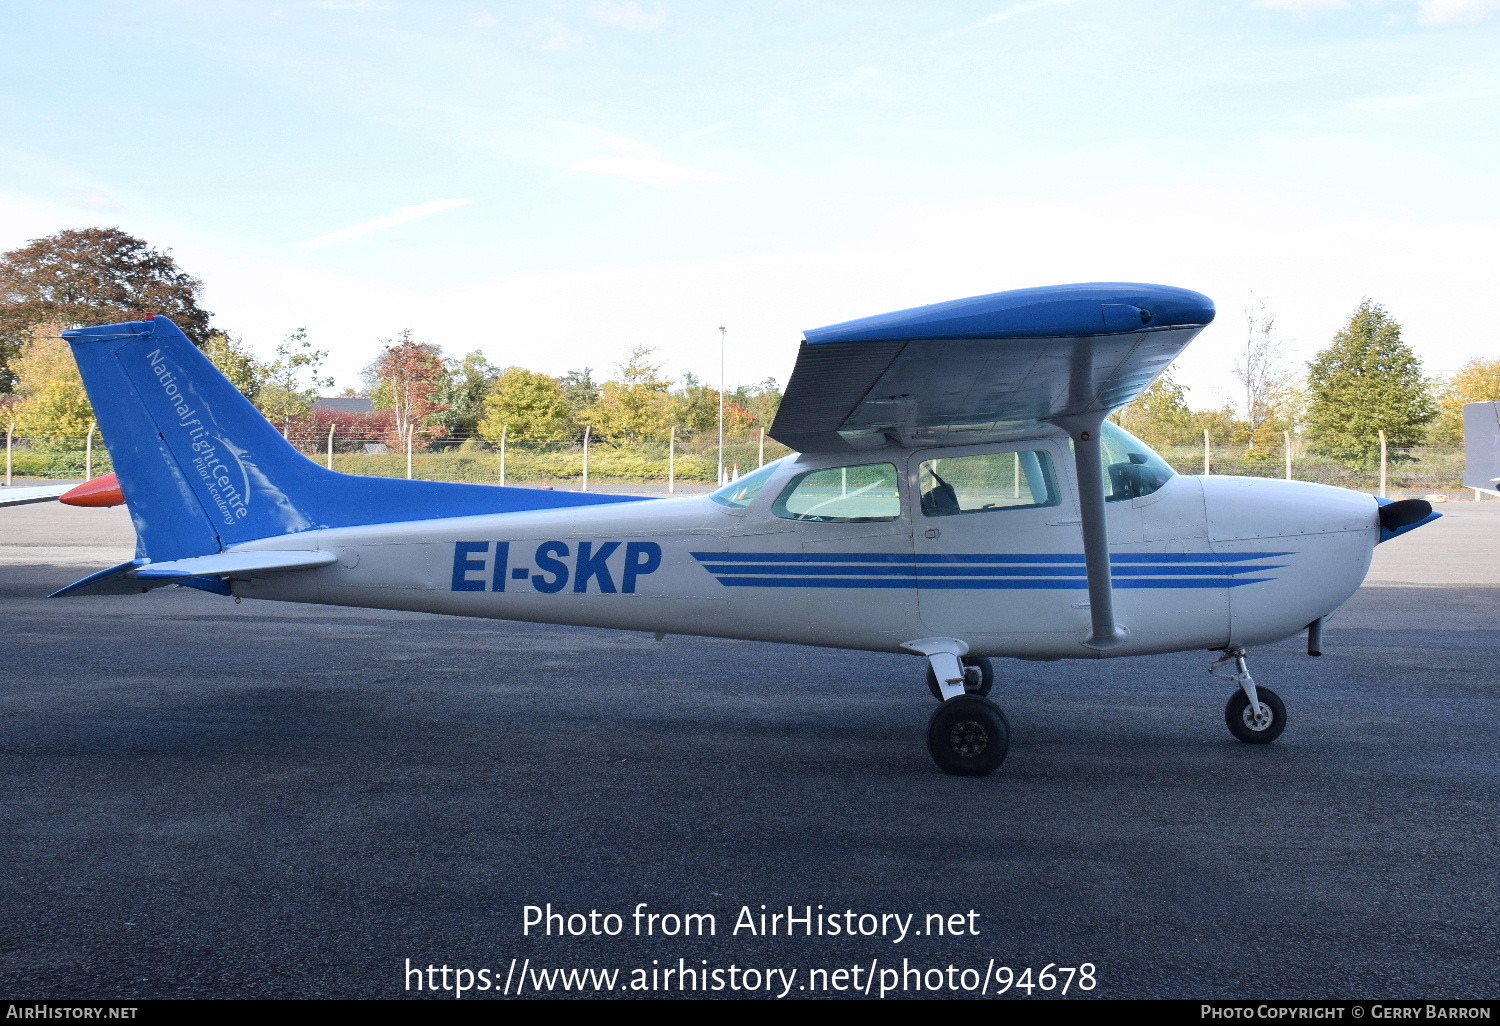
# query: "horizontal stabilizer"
x,y
235,564
138,575
21,495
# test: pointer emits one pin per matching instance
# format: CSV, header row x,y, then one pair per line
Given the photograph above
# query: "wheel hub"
x,y
1258,718
969,738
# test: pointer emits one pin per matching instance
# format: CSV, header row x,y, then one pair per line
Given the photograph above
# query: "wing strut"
x,y
1088,459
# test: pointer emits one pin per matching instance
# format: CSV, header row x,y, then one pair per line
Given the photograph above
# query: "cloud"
x,y
401,216
1303,5
653,171
627,14
851,83
1449,12
1014,10
698,133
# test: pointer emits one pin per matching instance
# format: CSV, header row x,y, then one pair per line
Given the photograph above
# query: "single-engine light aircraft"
x,y
956,492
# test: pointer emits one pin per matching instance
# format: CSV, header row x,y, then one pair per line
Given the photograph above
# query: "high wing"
x,y
20,496
983,369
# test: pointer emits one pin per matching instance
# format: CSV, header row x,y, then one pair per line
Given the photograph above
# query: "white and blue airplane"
x,y
956,493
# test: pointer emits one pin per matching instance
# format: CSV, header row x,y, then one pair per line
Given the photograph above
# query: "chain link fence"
x,y
691,461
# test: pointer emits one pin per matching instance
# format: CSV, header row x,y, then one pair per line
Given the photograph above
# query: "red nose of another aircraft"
x,y
101,491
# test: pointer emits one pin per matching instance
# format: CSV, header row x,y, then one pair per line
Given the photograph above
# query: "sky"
x,y
555,182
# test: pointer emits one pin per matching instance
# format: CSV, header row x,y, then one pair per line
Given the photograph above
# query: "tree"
x,y
1264,378
528,407
582,393
51,403
465,388
282,393
1366,381
1476,381
695,407
408,377
757,404
1160,414
90,276
235,361
636,407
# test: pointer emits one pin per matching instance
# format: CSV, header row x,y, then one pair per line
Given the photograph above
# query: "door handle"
x,y
931,532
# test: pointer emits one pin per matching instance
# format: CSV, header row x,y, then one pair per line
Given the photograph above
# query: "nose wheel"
x,y
1259,725
1252,714
968,736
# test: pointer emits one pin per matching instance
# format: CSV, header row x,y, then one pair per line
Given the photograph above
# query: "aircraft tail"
x,y
203,471
1482,447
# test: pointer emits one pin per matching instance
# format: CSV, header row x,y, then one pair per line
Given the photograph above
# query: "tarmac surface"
x,y
211,799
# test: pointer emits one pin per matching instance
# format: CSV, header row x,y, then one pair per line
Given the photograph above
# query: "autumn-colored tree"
x,y
1477,381
90,276
638,406
528,408
756,405
51,404
408,376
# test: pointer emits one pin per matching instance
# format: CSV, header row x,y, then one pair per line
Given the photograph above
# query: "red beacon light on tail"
x,y
101,491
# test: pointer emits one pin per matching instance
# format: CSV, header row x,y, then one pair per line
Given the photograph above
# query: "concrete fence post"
x,y
672,461
1382,463
587,430
88,452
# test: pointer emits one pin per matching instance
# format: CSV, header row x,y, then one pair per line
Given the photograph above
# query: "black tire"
x,y
968,736
986,676
1244,727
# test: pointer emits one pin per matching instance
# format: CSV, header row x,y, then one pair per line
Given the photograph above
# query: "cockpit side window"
x,y
991,481
842,495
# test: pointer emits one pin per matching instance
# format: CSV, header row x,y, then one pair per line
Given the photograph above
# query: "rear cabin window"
x,y
989,482
842,495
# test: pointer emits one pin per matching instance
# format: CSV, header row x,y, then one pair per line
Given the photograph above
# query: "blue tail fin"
x,y
202,470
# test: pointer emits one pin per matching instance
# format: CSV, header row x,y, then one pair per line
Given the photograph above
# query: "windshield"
x,y
740,493
1131,469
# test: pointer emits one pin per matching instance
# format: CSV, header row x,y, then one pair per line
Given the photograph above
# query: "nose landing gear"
x,y
1253,714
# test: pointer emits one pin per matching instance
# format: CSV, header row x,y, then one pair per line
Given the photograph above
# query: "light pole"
x,y
722,332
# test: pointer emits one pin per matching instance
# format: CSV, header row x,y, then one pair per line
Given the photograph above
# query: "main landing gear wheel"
x,y
986,677
1259,726
968,736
